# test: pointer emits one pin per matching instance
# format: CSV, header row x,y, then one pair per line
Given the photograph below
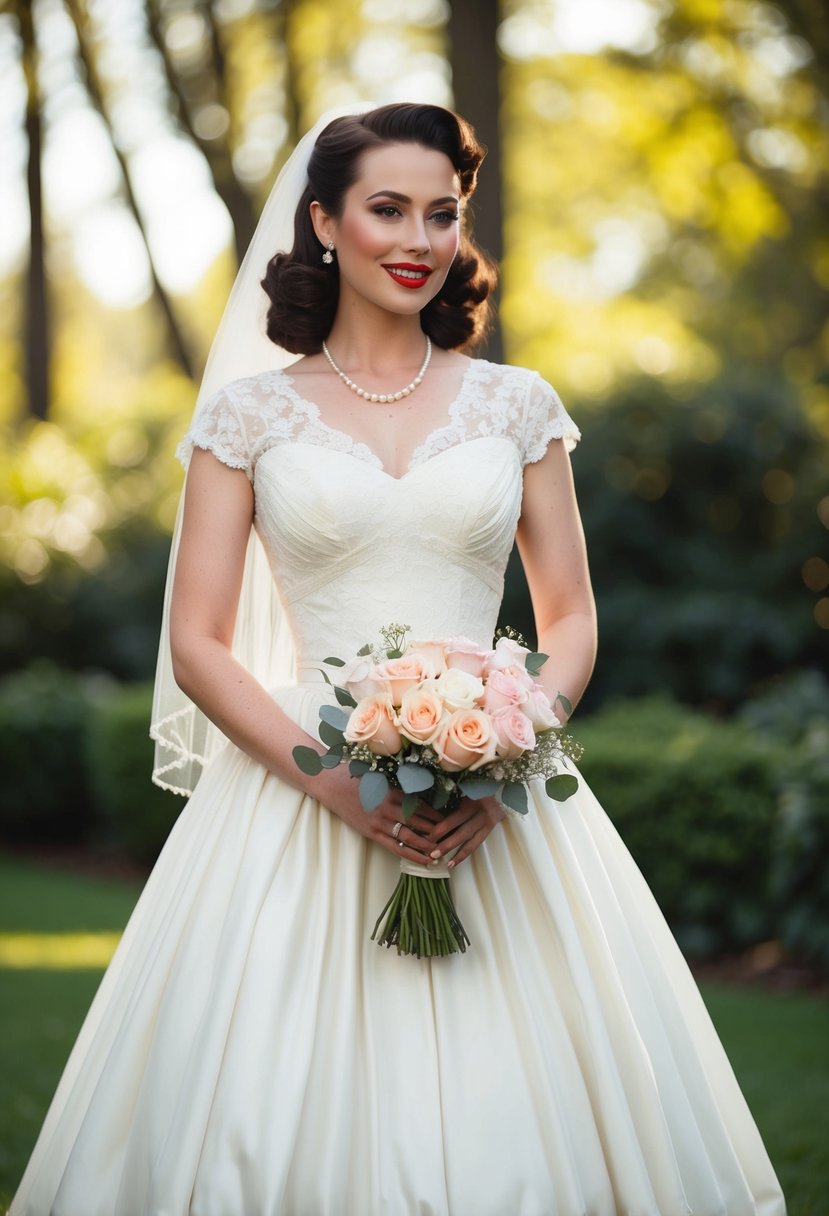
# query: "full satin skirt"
x,y
251,1052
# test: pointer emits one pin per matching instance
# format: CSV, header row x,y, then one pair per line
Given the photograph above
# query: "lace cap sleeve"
x,y
219,427
545,418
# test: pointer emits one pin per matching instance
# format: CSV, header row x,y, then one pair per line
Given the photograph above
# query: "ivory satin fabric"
x,y
251,1052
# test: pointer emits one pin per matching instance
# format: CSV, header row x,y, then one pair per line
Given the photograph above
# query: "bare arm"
x,y
218,512
551,543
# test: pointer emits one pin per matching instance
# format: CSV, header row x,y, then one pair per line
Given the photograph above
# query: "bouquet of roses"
x,y
440,720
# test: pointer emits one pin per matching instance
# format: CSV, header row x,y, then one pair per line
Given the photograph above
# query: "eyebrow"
x,y
404,198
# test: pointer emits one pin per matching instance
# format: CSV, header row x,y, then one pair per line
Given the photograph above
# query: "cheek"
x,y
363,236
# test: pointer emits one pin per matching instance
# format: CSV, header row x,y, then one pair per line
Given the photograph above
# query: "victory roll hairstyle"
x,y
304,292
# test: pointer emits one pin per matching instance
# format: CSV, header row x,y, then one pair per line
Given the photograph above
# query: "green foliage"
x,y
45,792
694,800
135,816
796,712
699,518
107,619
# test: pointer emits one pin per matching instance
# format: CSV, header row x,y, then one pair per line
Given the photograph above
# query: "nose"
x,y
417,238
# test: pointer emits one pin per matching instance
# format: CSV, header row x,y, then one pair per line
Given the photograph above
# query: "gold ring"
x,y
396,831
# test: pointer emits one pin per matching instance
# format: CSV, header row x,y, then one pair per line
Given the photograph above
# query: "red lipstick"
x,y
407,274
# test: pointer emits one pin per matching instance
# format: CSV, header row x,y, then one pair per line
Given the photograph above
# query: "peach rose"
x,y
507,653
466,655
503,691
360,677
458,689
466,740
421,714
405,673
434,651
514,732
538,709
373,723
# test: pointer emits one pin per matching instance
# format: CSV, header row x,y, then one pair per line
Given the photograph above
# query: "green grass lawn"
x,y
777,1042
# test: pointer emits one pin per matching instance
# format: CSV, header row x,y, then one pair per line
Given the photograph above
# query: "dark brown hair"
x,y
304,291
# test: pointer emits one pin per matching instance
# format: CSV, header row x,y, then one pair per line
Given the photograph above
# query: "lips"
x,y
407,274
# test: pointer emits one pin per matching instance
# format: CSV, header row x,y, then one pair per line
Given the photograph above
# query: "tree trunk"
x,y
178,346
36,309
475,63
215,152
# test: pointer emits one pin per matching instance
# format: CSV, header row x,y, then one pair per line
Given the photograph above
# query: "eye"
x,y
387,210
445,217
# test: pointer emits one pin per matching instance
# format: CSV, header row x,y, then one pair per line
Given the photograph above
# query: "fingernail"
x,y
435,853
449,865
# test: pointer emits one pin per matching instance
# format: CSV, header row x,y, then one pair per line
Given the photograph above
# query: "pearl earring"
x,y
328,256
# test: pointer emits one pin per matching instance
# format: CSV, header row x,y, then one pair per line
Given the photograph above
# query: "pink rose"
x,y
520,674
503,691
360,677
405,673
434,651
538,709
466,740
421,714
514,732
372,722
466,655
507,653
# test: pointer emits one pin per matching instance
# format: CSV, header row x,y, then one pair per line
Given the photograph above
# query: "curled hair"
x,y
304,293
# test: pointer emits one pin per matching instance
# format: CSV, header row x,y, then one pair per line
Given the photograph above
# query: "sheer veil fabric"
x,y
185,739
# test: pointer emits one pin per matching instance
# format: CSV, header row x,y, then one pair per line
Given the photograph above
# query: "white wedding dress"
x,y
251,1052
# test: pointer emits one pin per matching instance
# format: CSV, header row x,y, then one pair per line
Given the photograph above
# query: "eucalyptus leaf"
x,y
330,735
441,797
414,777
330,760
478,787
358,767
566,703
363,651
514,794
535,661
334,662
334,716
409,805
394,654
308,760
561,787
373,788
344,696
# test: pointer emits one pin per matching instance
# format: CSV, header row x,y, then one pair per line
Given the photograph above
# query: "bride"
x,y
250,1051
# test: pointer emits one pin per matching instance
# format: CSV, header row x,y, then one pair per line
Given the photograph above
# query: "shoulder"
x,y
231,421
525,406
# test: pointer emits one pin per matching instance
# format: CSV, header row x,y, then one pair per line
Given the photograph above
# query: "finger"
x,y
462,834
450,823
409,849
469,848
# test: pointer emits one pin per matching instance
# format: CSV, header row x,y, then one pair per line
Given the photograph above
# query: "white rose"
x,y
458,689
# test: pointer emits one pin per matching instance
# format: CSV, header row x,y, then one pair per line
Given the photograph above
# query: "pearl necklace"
x,y
382,397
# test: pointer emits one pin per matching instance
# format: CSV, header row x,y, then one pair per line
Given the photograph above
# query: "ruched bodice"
x,y
354,549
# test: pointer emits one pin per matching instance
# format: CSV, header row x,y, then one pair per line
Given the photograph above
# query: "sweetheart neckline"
x,y
378,468
415,459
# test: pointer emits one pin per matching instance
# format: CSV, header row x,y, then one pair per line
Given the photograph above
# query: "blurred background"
x,y
656,189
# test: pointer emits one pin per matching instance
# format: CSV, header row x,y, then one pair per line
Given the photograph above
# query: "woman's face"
x,y
399,230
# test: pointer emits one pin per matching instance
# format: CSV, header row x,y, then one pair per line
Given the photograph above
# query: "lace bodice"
x,y
350,546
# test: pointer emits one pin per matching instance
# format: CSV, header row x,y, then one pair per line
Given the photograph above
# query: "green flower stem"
x,y
420,918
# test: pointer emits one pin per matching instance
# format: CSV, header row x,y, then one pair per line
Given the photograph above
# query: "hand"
x,y
342,798
466,827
